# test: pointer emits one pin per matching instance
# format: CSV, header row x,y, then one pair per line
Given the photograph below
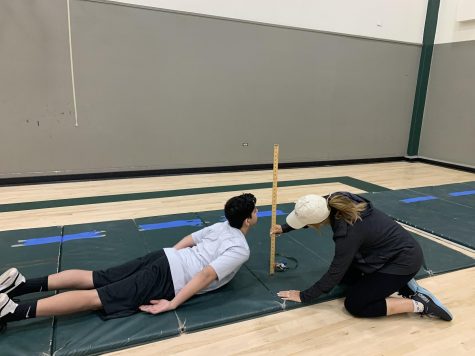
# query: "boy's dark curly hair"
x,y
238,209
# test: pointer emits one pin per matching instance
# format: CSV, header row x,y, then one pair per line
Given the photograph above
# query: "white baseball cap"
x,y
309,209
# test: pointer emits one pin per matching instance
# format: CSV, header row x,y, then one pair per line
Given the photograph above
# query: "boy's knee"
x,y
94,300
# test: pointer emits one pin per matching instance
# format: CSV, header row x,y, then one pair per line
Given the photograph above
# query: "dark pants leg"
x,y
367,296
352,276
122,298
120,272
122,289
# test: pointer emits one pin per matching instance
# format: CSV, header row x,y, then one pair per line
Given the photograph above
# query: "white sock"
x,y
418,307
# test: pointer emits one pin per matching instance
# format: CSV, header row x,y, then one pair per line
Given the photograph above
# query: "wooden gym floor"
x,y
324,328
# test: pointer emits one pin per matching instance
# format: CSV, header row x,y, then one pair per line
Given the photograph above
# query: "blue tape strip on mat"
x,y
458,194
194,222
417,199
59,238
170,224
262,214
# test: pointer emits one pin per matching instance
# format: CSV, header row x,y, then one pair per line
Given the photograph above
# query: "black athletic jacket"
x,y
374,244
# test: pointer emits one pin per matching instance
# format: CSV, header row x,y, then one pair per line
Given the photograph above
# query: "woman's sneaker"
x,y
10,280
432,306
7,306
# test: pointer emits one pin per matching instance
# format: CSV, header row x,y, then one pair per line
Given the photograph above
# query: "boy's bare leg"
x,y
68,303
71,279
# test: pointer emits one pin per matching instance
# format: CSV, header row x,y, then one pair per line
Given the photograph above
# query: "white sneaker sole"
x,y
7,305
10,280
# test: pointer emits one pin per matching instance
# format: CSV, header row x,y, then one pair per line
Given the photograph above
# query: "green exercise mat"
x,y
160,232
242,298
35,254
251,293
87,333
451,218
459,193
217,307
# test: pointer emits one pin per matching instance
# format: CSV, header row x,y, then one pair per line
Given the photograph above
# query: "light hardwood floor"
x,y
323,329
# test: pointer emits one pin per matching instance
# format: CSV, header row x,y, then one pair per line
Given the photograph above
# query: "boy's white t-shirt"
x,y
221,246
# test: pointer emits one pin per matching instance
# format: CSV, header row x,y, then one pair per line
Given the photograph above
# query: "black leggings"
x,y
367,293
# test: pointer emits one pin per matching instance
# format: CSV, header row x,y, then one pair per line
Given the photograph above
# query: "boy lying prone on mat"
x,y
155,283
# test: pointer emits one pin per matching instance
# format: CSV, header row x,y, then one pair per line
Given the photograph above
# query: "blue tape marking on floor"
x,y
265,213
414,200
194,222
53,239
261,214
170,224
466,192
40,241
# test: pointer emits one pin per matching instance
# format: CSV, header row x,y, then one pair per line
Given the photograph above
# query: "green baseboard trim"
x,y
356,183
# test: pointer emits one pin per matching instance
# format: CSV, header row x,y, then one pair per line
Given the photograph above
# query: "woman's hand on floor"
x,y
293,295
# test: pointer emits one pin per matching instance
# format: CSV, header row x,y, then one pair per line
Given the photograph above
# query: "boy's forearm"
x,y
200,280
184,242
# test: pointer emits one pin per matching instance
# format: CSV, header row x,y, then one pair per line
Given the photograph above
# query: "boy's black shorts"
x,y
122,289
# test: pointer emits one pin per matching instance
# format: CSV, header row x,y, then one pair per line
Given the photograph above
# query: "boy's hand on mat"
x,y
293,295
276,229
157,306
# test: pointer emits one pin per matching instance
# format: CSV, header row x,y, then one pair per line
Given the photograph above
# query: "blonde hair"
x,y
346,208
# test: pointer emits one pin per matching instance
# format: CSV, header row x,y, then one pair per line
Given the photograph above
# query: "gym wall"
x,y
448,127
161,89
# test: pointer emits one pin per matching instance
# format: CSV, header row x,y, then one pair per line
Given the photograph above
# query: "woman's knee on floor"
x,y
354,306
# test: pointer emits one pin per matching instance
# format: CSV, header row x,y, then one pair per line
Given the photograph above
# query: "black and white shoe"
x,y
7,306
432,306
405,291
10,280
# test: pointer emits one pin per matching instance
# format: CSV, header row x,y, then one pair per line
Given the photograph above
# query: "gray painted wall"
x,y
159,90
448,127
35,87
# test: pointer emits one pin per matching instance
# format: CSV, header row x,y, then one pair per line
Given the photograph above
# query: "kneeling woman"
x,y
374,256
